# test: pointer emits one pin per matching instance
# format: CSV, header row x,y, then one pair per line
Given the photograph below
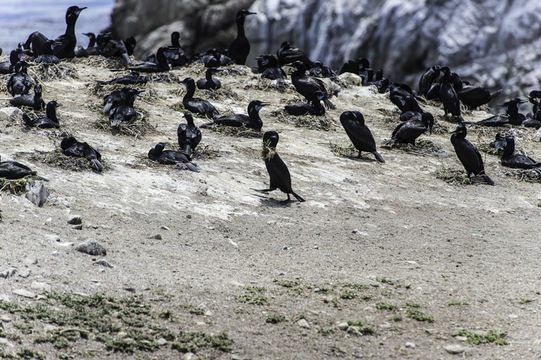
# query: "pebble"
x,y
410,345
342,325
103,263
8,273
24,273
65,244
156,237
41,286
188,356
55,253
161,342
77,227
24,293
11,113
37,193
5,318
52,237
455,349
30,261
6,342
91,248
303,324
163,227
75,220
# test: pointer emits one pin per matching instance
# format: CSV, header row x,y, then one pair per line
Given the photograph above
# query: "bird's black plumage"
x,y
408,131
161,65
46,122
14,170
448,95
64,45
269,68
310,87
123,97
511,116
34,101
197,105
20,83
250,121
8,67
518,161
240,47
170,157
359,134
175,53
287,54
71,147
209,82
188,135
133,78
280,177
468,154
428,78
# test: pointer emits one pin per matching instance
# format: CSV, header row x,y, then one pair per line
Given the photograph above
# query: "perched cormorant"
x,y
170,157
133,78
408,131
197,105
209,82
46,122
499,143
120,114
214,58
359,134
188,135
110,48
310,87
250,121
512,116
91,49
240,47
269,68
475,96
468,155
313,108
8,67
428,78
448,95
123,97
277,169
48,58
148,67
14,170
512,160
71,147
317,69
20,83
32,100
175,54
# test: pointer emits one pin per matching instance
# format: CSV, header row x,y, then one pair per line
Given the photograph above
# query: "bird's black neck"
x,y
51,113
240,27
190,91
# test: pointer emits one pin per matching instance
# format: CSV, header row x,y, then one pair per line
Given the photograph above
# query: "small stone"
x,y
188,217
65,244
75,220
208,313
303,324
410,345
24,293
161,342
8,273
236,357
55,253
41,286
37,193
30,261
455,348
5,318
200,323
156,237
163,227
91,248
77,227
103,263
188,356
342,325
52,237
461,338
5,342
24,273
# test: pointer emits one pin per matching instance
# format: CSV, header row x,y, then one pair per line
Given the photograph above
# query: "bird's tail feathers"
x,y
329,104
298,197
378,157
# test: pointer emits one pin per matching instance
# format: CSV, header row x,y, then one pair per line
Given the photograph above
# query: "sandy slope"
x,y
362,222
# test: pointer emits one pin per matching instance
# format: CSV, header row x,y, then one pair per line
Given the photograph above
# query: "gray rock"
x,y
303,324
91,248
103,263
30,261
156,237
40,286
11,114
24,293
161,342
37,193
24,273
5,318
455,348
410,345
75,220
342,325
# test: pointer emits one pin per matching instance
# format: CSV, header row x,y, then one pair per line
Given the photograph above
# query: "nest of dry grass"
x,y
323,123
527,175
15,186
137,128
62,71
455,177
421,147
344,151
58,159
99,61
235,131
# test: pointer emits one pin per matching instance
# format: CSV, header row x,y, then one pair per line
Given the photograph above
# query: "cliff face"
x,y
494,42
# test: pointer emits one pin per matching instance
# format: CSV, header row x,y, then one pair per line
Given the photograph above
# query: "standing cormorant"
x,y
448,95
359,134
240,47
468,155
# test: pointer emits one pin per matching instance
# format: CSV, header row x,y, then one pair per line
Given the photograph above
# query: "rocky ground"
x,y
404,260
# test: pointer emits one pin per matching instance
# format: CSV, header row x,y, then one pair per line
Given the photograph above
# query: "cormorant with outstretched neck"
x,y
148,67
64,46
250,121
408,131
448,95
428,78
71,147
468,155
20,83
511,116
34,101
45,122
188,135
309,86
277,169
14,170
240,47
197,105
133,78
209,82
518,161
359,134
170,157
